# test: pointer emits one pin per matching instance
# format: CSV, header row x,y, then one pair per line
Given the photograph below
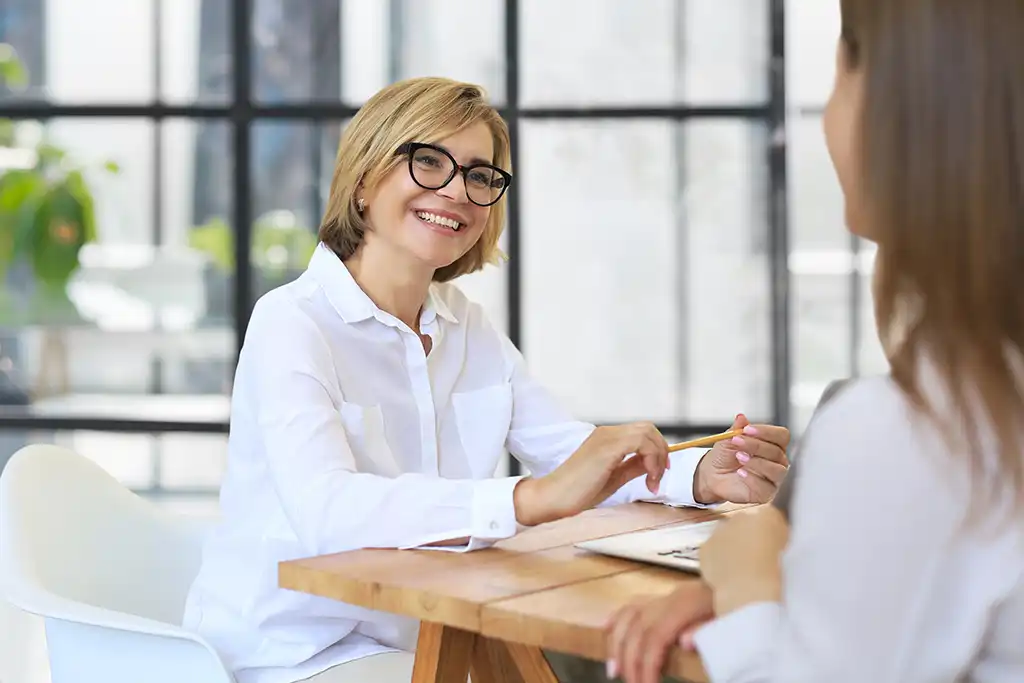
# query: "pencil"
x,y
705,440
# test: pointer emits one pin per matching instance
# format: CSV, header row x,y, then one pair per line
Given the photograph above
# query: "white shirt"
x,y
882,581
345,435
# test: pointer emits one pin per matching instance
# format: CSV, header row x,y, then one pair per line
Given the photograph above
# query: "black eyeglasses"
x,y
432,168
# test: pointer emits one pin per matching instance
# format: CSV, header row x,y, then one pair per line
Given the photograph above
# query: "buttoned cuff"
x,y
739,646
494,511
492,515
678,481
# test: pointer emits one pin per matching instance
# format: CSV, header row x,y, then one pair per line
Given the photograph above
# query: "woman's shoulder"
x,y
870,424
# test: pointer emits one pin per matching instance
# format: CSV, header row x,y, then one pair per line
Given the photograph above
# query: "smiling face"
x,y
429,228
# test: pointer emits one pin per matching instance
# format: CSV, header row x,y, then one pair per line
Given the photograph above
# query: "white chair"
x,y
106,569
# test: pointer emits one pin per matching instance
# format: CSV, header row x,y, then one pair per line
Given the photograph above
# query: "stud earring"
x,y
360,205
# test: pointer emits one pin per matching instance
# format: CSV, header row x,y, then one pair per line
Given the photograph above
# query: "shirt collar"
x,y
352,303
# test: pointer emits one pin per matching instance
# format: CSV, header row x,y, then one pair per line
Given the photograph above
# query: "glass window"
x,y
175,463
105,52
608,52
645,287
125,313
195,61
326,50
812,29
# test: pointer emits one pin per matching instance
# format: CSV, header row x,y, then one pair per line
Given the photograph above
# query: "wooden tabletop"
x,y
534,589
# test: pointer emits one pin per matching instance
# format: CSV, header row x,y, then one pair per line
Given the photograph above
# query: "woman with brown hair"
x,y
905,560
373,402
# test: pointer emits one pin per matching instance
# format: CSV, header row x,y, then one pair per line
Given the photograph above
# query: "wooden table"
x,y
492,611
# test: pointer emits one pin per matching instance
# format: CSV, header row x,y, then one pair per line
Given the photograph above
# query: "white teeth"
x,y
439,220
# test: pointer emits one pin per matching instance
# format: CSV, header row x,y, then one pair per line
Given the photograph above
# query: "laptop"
x,y
678,546
675,547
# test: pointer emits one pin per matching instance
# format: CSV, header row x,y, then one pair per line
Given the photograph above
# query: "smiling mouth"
x,y
444,222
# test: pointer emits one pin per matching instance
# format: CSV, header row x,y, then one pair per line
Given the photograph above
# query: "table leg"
x,y
442,654
496,661
492,663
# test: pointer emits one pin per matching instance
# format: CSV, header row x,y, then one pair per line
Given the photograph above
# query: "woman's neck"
x,y
400,290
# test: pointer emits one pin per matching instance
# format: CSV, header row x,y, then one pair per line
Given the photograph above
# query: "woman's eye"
x,y
427,160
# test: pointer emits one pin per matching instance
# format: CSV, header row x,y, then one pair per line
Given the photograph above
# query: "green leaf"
x,y
76,185
112,167
13,72
216,239
58,236
49,155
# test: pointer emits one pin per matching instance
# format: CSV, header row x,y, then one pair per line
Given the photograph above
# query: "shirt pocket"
x,y
483,417
364,427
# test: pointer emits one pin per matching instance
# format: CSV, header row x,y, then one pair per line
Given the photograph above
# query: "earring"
x,y
360,205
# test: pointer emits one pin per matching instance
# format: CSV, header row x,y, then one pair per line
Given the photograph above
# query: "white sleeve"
x,y
857,572
543,435
330,505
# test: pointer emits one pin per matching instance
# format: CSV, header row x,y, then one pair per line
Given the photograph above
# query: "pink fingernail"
x,y
742,473
611,669
750,429
743,457
738,441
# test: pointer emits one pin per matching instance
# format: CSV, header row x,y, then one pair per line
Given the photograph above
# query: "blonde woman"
x,y
372,403
905,559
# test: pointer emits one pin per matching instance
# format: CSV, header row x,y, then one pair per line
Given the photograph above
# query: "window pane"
x,y
22,28
196,64
292,164
124,316
820,263
380,46
646,268
192,463
652,52
821,320
104,52
812,29
816,200
326,50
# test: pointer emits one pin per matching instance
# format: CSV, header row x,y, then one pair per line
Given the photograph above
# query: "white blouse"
x,y
883,582
345,435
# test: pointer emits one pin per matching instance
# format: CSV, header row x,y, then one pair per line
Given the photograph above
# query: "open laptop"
x,y
675,546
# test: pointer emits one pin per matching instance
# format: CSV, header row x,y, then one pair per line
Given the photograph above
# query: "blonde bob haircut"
x,y
414,110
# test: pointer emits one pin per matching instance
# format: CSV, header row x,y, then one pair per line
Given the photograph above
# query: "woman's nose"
x,y
455,190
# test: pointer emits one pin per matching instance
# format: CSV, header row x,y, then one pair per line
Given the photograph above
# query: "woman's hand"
x,y
610,457
744,469
641,634
741,560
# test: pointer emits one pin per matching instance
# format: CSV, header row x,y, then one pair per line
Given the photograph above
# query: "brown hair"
x,y
414,110
942,141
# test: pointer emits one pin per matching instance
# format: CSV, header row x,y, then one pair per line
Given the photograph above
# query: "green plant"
x,y
47,212
280,246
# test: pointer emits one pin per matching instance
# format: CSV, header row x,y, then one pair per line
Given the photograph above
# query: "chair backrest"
x,y
70,528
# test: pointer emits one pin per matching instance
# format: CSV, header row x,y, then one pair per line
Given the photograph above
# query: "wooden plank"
x,y
442,587
572,618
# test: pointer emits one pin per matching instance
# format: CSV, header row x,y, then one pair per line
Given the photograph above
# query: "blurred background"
x,y
676,237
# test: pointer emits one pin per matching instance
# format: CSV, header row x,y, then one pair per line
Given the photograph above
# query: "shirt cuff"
x,y
494,511
492,516
677,485
739,646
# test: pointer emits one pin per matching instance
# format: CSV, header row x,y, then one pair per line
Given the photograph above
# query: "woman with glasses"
x,y
373,402
905,558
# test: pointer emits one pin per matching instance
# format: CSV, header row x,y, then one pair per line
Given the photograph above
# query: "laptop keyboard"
x,y
690,552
